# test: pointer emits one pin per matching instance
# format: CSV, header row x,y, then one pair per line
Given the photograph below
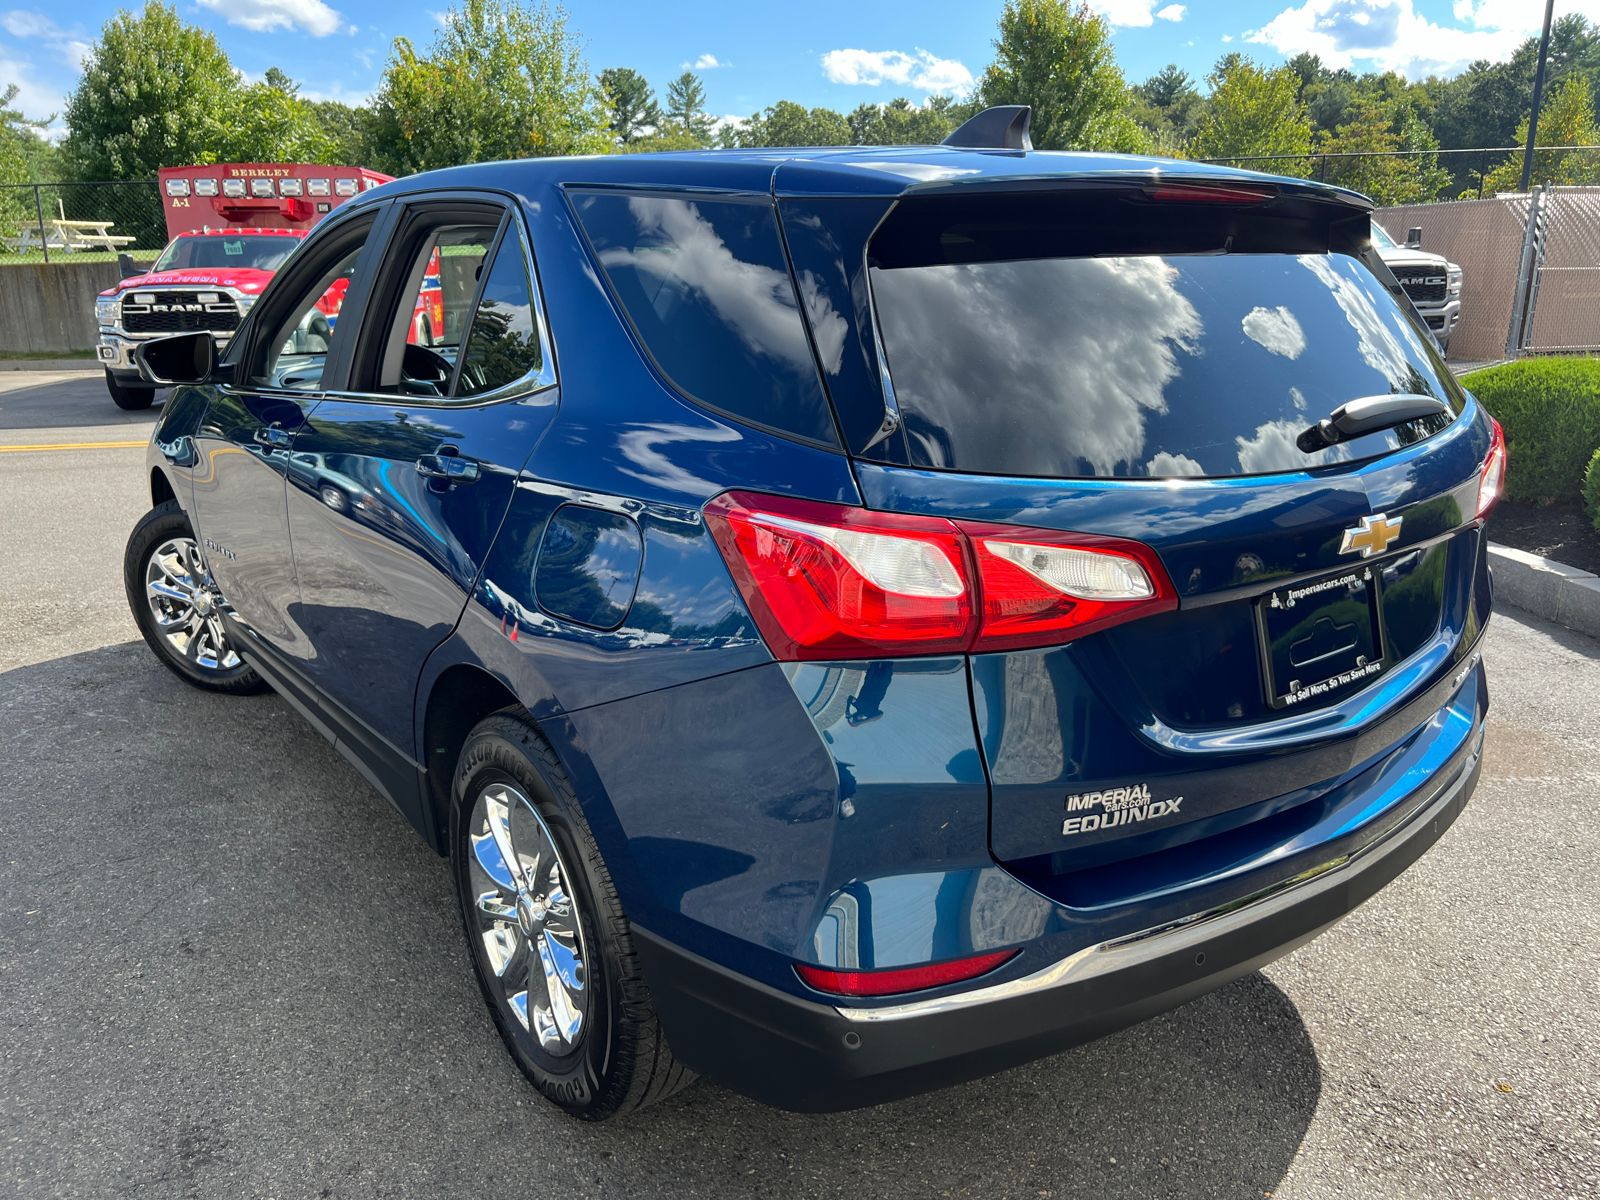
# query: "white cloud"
x,y
69,46
311,16
1227,37
921,71
708,62
1276,330
1172,12
1125,13
1392,35
1166,466
335,91
35,98
1516,16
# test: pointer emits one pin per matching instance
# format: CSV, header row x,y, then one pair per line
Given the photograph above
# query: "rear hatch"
x,y
1138,361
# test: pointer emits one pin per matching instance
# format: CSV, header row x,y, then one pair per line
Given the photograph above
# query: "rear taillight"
x,y
899,979
828,581
1492,480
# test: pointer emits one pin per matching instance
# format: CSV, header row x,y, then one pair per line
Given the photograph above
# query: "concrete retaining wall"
x,y
1547,588
51,306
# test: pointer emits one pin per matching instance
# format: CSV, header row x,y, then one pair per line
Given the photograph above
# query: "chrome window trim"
x,y
545,377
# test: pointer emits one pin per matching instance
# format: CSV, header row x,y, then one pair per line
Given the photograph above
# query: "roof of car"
x,y
834,171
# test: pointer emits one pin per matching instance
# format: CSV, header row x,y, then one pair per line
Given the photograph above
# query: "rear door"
x,y
245,437
1140,362
398,485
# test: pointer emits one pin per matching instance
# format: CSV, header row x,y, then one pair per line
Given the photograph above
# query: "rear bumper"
x,y
813,1056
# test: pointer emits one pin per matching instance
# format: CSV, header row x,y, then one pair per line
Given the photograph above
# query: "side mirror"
x,y
1414,238
183,358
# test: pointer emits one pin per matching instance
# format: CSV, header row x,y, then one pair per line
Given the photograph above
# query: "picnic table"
x,y
61,234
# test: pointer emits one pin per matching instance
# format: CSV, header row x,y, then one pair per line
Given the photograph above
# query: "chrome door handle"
x,y
448,466
279,438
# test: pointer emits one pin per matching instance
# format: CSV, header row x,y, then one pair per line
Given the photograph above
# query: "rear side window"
x,y
503,345
1197,361
707,287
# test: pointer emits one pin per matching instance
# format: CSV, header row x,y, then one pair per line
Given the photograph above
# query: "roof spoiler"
x,y
1003,127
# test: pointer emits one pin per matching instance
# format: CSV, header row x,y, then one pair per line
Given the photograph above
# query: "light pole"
x,y
1538,94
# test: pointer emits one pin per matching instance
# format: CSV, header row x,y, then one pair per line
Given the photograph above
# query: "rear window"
x,y
706,285
1168,364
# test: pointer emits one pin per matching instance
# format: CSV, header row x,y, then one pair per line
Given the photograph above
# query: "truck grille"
x,y
1424,288
179,312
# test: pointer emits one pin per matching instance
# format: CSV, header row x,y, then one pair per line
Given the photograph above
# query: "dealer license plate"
x,y
1321,636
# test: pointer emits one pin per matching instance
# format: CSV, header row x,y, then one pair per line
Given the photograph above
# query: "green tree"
x,y
1166,106
152,92
901,123
1057,57
1567,120
1389,179
686,108
268,122
501,80
25,156
632,102
789,124
1253,111
348,127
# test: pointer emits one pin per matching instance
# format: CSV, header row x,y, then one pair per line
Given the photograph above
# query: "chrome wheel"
x,y
187,606
528,920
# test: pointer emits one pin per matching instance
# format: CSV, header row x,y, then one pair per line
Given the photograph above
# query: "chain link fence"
x,y
1531,263
79,222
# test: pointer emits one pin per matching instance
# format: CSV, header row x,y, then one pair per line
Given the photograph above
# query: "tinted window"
x,y
296,354
1144,364
222,252
426,333
707,287
503,345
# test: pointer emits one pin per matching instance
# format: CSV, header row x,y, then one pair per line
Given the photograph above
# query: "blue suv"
x,y
854,619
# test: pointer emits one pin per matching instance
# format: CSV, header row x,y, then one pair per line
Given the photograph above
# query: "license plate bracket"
x,y
1321,637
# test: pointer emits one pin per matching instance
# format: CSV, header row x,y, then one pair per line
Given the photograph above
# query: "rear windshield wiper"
x,y
1367,415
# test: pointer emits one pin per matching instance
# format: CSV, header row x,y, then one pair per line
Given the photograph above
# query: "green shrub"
x,y
1550,410
1591,490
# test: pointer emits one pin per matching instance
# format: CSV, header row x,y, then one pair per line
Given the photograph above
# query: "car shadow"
x,y
225,957
60,400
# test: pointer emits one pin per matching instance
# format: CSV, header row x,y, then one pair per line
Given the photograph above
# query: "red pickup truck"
x,y
232,225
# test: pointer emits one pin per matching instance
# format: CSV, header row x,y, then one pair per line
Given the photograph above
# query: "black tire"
x,y
131,397
210,662
621,1060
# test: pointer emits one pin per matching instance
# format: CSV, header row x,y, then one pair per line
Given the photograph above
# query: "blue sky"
x,y
751,55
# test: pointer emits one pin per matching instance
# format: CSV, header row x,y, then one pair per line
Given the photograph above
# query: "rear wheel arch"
x,y
161,489
458,699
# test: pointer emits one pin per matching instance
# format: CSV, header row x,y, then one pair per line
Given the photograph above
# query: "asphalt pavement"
x,y
228,968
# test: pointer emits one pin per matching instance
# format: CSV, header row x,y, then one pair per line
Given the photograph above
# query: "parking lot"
x,y
229,968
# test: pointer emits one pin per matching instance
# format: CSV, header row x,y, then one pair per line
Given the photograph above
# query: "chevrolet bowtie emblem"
x,y
1372,536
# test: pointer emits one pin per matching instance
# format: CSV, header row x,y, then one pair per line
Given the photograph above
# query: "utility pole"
x,y
1538,94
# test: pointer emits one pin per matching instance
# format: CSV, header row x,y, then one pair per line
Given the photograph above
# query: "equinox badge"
x,y
1372,536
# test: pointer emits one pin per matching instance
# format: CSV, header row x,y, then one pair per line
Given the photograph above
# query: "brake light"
x,y
1041,587
828,581
1492,481
1211,193
900,979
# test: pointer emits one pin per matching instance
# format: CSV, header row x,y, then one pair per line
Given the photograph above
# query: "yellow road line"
x,y
74,446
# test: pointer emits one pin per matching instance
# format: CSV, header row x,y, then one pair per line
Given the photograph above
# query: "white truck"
x,y
1432,282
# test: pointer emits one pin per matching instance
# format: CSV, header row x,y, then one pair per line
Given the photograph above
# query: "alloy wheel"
x,y
187,606
528,919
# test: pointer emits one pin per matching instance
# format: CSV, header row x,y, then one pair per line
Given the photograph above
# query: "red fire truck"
x,y
231,226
